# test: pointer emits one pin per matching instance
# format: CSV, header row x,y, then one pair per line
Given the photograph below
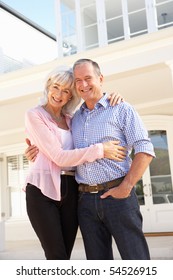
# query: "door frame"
x,y
153,213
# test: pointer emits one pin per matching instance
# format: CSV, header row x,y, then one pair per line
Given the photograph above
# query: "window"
x,y
164,10
17,167
114,21
160,172
137,17
89,24
161,179
68,27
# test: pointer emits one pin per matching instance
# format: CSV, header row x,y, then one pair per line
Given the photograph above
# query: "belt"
x,y
100,187
68,172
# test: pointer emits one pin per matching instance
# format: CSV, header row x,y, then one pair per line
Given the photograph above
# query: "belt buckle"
x,y
96,191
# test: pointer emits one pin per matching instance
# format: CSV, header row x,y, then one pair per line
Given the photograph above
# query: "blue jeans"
x,y
102,219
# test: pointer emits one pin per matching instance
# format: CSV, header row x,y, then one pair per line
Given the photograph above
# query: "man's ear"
x,y
101,79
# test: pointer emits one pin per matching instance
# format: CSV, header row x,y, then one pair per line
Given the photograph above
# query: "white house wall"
x,y
29,44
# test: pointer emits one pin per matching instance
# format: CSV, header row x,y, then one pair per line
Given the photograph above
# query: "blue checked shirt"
x,y
104,123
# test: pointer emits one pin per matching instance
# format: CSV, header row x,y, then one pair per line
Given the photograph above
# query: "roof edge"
x,y
27,20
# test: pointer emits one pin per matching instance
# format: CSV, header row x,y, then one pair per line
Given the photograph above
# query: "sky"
x,y
41,12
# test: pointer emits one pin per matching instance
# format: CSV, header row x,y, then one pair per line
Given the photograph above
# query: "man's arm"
x,y
139,164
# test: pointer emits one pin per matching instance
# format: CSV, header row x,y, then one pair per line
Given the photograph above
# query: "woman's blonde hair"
x,y
63,76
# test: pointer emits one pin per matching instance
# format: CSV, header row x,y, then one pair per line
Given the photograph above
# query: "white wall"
x,y
22,42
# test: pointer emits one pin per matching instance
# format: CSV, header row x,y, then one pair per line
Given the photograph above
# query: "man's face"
x,y
88,82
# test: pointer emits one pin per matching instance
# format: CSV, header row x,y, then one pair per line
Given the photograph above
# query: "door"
x,y
155,190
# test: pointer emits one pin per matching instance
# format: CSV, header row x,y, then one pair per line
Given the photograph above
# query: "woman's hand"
x,y
31,152
113,151
115,98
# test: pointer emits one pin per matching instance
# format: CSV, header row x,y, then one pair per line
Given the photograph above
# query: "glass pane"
x,y
115,29
161,181
140,18
135,5
161,1
91,36
89,15
89,20
165,13
137,17
113,8
114,20
139,192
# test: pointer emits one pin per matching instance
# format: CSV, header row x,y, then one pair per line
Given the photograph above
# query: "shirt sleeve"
x,y
135,132
48,143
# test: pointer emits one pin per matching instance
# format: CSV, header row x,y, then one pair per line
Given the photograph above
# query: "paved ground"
x,y
161,248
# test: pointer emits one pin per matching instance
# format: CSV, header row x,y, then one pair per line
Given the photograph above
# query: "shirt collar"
x,y
102,102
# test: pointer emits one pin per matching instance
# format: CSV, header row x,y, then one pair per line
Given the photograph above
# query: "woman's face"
x,y
58,96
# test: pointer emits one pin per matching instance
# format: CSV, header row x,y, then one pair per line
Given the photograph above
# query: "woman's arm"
x,y
49,145
118,153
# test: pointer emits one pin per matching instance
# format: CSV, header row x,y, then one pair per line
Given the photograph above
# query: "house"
x,y
133,43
